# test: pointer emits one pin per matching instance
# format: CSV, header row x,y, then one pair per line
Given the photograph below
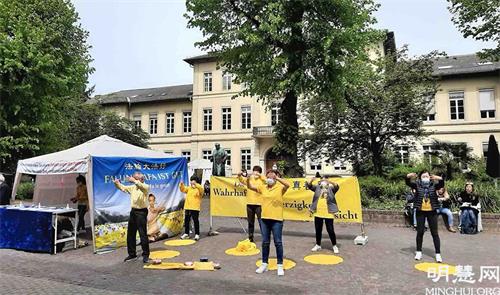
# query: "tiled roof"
x,y
463,64
177,92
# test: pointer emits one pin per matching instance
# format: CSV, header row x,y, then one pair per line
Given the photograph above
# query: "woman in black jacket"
x,y
469,202
426,203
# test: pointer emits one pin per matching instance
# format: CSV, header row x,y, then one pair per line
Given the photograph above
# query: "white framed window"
x,y
403,154
275,115
186,121
315,166
169,121
227,81
226,118
207,119
485,150
228,152
153,123
339,165
427,153
431,113
456,105
246,159
206,154
187,155
137,118
246,117
487,103
169,152
207,82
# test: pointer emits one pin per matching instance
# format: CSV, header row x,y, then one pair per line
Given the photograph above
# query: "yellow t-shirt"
x,y
193,196
426,205
272,201
253,197
322,208
81,194
138,194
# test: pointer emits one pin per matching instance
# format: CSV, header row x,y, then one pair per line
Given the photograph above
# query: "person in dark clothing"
x,y
426,203
83,201
4,191
206,187
469,207
445,202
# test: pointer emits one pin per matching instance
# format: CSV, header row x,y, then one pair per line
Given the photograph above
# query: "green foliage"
x,y
452,158
25,191
44,68
479,19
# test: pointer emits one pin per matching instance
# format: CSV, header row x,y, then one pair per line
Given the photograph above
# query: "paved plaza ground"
x,y
384,266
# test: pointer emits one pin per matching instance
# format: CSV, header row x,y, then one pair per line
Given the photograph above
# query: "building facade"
x,y
189,119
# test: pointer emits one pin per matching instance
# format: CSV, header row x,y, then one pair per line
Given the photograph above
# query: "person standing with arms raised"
x,y
138,221
254,199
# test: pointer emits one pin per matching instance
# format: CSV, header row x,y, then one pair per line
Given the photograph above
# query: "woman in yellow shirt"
x,y
192,206
254,199
83,201
272,216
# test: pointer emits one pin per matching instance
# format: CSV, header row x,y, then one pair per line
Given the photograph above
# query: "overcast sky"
x,y
141,43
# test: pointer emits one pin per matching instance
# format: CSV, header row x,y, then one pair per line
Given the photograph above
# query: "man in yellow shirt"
x,y
83,201
138,192
254,199
192,206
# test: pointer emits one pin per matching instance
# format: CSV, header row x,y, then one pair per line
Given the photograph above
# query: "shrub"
x,y
25,190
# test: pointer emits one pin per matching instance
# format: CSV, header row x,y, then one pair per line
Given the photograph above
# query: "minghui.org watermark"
x,y
464,274
462,291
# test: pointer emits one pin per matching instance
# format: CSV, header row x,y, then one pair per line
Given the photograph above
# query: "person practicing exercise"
x,y
323,206
192,206
272,216
254,199
138,192
426,203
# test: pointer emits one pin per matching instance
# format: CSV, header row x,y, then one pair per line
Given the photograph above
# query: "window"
x,y
226,118
339,165
169,119
485,150
431,113
228,152
153,123
403,154
207,119
246,159
315,166
487,103
137,121
187,155
227,80
457,105
275,115
246,117
207,82
186,118
169,152
427,153
207,154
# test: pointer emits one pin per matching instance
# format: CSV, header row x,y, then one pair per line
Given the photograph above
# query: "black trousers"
x,y
432,220
138,222
253,210
82,209
192,214
318,224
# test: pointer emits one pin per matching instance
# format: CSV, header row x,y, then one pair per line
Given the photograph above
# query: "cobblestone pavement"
x,y
384,266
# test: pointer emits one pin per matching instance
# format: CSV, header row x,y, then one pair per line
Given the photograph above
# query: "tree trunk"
x,y
376,159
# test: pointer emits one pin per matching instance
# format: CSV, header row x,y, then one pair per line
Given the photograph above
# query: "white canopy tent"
x,y
56,172
206,169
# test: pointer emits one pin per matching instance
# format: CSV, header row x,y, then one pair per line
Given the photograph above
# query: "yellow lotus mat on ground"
x,y
181,266
164,254
244,248
323,259
435,267
273,263
179,242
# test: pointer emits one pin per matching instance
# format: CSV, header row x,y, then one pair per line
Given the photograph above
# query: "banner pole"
x,y
211,232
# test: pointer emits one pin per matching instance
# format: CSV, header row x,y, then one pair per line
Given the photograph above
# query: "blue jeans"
x,y
448,213
468,213
276,227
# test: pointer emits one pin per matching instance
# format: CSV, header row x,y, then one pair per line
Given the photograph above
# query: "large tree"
x,y
285,50
479,19
44,68
385,104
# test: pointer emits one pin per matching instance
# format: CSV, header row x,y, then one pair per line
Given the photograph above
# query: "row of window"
x,y
227,81
245,157
457,110
403,153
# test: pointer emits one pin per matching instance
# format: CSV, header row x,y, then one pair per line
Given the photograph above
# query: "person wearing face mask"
x,y
254,199
469,209
272,217
426,204
323,206
192,206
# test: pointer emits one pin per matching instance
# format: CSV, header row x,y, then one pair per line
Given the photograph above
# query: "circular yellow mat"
x,y
164,254
235,252
273,263
179,242
323,259
434,266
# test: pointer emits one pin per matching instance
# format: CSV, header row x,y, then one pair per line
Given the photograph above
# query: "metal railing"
x,y
263,131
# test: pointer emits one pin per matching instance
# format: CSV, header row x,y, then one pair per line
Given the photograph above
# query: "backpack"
x,y
467,227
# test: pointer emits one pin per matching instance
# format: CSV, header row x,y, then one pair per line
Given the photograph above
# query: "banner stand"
x,y
363,238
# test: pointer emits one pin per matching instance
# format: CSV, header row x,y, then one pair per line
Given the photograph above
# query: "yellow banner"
x,y
228,198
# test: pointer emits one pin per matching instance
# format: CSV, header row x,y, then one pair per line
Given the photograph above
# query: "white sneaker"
x,y
262,268
439,259
335,249
281,271
418,255
316,248
184,236
196,237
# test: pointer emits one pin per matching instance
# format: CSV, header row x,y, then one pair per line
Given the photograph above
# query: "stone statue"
x,y
219,157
